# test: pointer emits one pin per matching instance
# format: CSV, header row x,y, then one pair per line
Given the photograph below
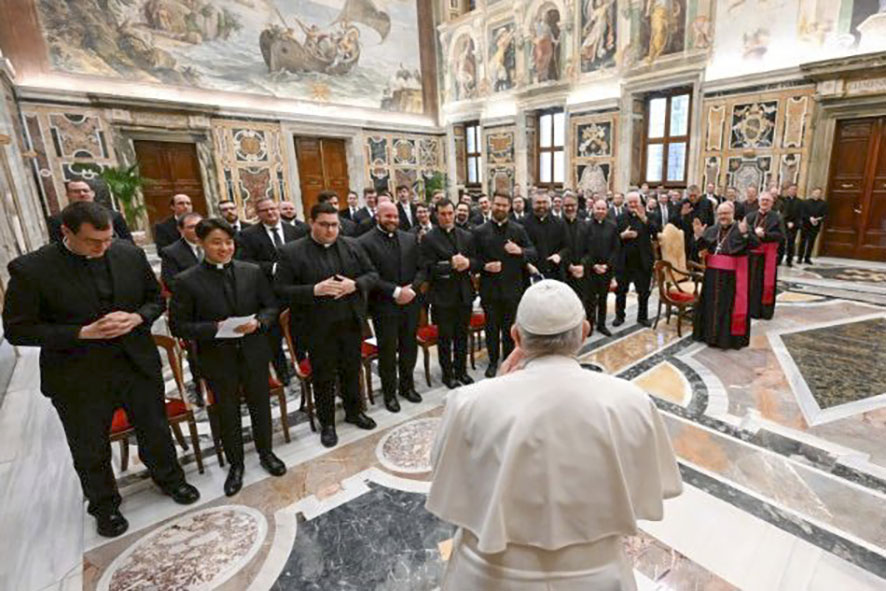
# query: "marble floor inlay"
x,y
850,274
407,448
198,551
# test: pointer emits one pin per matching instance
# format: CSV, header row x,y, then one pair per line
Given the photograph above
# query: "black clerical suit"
x,y
634,264
166,232
174,259
576,237
451,294
365,220
792,216
121,230
256,246
701,210
52,294
811,208
332,328
406,223
548,235
397,260
601,248
500,292
205,295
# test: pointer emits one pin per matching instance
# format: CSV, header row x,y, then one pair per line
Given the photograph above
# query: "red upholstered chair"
x,y
302,370
178,410
476,330
368,354
672,293
426,336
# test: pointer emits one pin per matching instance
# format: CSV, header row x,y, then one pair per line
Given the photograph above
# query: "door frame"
x,y
202,141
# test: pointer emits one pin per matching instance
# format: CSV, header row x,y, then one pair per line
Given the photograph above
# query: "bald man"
x,y
166,232
393,302
768,226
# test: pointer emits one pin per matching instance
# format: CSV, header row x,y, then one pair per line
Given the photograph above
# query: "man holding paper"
x,y
227,306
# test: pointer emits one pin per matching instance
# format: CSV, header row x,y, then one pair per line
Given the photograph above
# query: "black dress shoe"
x,y
808,261
790,264
604,331
272,464
411,395
328,436
451,383
644,322
111,524
465,379
234,481
184,493
391,404
618,322
361,421
491,370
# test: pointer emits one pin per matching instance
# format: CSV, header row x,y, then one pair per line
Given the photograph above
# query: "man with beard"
x,y
325,279
393,303
518,209
814,212
449,256
601,249
548,235
768,227
617,208
576,239
635,260
721,317
503,249
288,215
462,216
791,216
228,210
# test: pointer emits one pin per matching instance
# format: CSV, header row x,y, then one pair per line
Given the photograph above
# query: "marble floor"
x,y
781,447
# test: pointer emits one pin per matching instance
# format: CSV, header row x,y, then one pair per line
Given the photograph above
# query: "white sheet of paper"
x,y
227,326
372,341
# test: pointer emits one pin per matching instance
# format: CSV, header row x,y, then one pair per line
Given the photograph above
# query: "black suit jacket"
x,y
449,288
50,297
348,227
392,272
643,242
346,214
255,246
121,230
199,303
404,222
489,242
174,259
601,246
298,271
166,232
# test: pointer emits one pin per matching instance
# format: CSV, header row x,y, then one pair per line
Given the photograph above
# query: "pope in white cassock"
x,y
546,468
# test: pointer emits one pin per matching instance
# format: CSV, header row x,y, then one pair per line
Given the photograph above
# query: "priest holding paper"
x,y
226,307
547,467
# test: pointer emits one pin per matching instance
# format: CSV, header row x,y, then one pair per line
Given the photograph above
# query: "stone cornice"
x,y
856,66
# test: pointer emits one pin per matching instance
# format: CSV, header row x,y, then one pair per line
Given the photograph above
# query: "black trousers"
x,y
452,340
789,245
641,278
597,294
397,348
807,242
86,417
335,357
500,315
252,384
278,358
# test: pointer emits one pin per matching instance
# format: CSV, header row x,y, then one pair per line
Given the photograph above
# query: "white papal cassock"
x,y
543,471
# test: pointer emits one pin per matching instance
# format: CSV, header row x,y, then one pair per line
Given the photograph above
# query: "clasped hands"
x,y
111,326
336,286
460,262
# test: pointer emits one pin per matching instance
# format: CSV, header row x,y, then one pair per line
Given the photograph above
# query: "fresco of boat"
x,y
282,51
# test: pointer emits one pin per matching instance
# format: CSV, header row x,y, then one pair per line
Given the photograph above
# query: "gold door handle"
x,y
846,185
857,211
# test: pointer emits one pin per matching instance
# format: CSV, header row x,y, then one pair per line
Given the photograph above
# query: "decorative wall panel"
x,y
768,139
499,156
402,159
592,152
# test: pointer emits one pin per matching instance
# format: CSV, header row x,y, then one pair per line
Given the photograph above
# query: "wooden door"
x,y
173,168
856,223
322,166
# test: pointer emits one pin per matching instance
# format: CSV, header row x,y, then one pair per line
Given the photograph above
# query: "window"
x,y
551,153
666,145
472,153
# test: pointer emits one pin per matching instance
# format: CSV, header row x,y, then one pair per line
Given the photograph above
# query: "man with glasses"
x,y
81,190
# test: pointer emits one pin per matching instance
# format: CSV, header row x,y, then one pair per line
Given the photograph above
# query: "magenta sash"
x,y
738,265
769,250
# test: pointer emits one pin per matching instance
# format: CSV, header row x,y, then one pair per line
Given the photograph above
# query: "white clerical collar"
x,y
501,223
71,250
385,232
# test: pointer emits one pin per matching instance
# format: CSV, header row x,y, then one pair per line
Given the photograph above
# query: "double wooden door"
x,y
322,166
856,223
172,168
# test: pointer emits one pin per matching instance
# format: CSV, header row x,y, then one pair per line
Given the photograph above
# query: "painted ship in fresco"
x,y
333,51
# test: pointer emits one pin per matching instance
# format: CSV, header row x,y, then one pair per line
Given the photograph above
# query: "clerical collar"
x,y
448,230
77,254
385,232
600,221
501,223
218,266
543,218
321,244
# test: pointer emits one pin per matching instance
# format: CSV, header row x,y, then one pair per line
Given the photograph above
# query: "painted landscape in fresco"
x,y
357,52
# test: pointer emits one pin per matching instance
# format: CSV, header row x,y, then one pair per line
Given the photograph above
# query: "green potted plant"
x,y
434,183
123,184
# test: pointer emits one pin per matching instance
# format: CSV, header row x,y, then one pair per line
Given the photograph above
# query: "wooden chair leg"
x,y
179,436
216,437
368,369
657,315
679,322
284,415
309,397
427,359
195,441
124,453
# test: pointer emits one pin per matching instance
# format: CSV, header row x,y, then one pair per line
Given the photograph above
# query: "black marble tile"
x,y
842,363
384,540
854,274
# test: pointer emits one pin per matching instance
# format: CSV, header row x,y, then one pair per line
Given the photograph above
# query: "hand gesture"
x,y
531,269
555,258
111,326
577,271
327,287
686,209
512,247
248,328
743,227
346,286
406,295
698,228
599,268
492,267
460,262
759,232
629,234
